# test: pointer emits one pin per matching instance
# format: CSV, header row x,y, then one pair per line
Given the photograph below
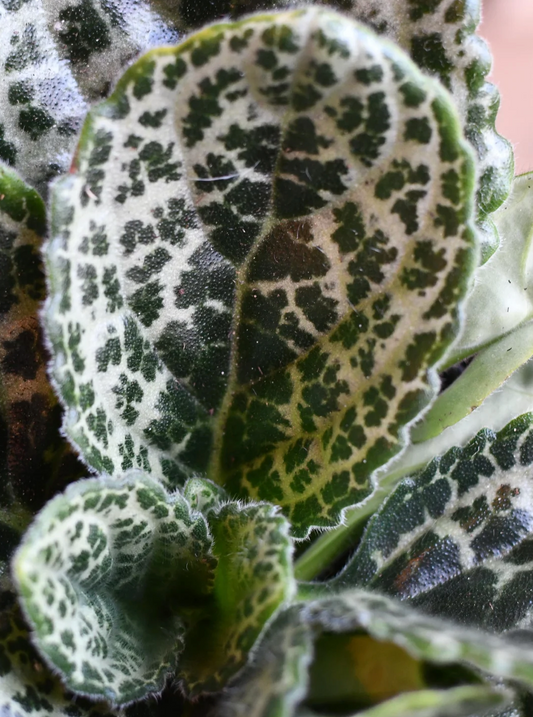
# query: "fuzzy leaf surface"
x,y
440,38
456,538
103,574
56,55
276,679
26,685
253,578
257,259
423,636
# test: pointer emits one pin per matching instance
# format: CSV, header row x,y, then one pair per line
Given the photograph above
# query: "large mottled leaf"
x,y
34,459
107,576
423,636
54,56
253,578
26,685
276,679
256,260
456,538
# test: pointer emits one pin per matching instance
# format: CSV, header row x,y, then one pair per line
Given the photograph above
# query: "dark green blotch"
x,y
82,31
35,121
428,53
413,95
418,129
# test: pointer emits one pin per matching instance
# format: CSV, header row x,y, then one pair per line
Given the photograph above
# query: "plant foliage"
x,y
270,239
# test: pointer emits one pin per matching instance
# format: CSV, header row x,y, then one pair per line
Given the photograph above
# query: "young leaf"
x,y
55,56
107,574
253,578
423,636
456,538
34,460
257,259
26,685
276,678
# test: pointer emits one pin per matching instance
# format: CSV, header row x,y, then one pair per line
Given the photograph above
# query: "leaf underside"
x,y
257,259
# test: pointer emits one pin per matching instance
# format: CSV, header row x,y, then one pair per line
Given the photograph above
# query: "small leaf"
x,y
253,578
456,538
423,636
106,575
253,267
275,680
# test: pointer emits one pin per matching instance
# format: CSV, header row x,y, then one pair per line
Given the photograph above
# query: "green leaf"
x,y
455,702
455,539
423,636
34,459
253,578
107,575
253,266
502,296
276,679
26,685
55,56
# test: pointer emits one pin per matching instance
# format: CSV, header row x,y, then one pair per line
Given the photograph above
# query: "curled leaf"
x,y
107,575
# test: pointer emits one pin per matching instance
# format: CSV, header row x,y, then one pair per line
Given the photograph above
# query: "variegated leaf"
x,y
55,55
253,578
107,576
27,688
440,37
456,538
257,259
34,460
276,678
423,636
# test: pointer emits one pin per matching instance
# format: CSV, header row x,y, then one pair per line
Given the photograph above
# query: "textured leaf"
x,y
103,574
34,459
253,578
55,55
254,265
440,37
276,679
423,636
513,399
456,538
26,685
